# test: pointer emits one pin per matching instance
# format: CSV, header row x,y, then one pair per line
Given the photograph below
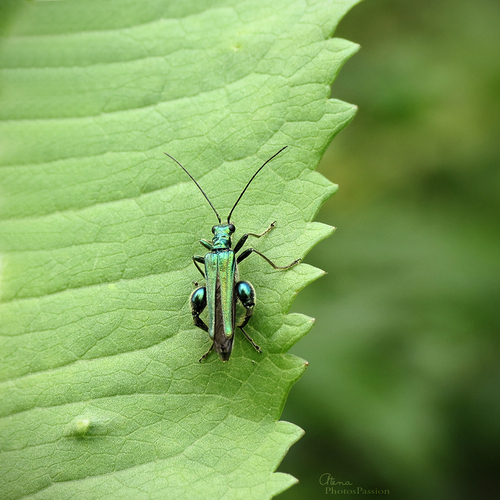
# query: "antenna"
x,y
199,187
253,177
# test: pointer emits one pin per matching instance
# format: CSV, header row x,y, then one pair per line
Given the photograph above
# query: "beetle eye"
x,y
232,228
213,229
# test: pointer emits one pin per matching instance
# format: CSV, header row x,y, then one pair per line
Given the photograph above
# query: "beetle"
x,y
223,288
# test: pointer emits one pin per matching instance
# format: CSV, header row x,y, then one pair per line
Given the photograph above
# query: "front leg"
x,y
207,244
244,238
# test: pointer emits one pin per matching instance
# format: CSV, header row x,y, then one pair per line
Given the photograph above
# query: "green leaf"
x,y
102,392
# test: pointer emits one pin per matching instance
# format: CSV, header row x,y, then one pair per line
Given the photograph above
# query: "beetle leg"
x,y
246,295
201,260
255,346
206,354
207,244
248,251
198,303
244,238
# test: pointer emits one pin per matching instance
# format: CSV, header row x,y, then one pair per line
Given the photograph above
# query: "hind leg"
x,y
198,304
246,295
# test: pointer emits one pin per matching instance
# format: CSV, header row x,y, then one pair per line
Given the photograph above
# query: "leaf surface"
x,y
102,392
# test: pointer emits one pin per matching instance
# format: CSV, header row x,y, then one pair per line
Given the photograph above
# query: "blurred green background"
x,y
402,391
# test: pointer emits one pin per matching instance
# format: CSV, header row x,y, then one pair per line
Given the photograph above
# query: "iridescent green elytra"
x,y
222,286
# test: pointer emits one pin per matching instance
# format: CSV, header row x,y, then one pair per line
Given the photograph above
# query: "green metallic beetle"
x,y
222,285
